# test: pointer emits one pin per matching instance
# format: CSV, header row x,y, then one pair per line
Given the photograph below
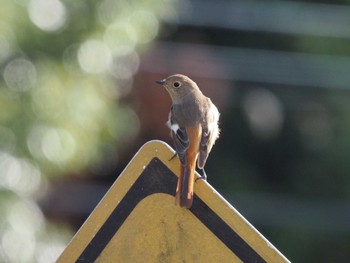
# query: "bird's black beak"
x,y
161,82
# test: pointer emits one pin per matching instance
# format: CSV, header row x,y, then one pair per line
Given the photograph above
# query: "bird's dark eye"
x,y
176,84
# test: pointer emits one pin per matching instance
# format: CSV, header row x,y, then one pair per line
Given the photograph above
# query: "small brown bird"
x,y
193,120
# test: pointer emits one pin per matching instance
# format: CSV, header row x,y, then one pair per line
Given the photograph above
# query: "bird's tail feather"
x,y
184,191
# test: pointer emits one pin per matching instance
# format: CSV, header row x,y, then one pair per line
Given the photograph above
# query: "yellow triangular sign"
x,y
138,221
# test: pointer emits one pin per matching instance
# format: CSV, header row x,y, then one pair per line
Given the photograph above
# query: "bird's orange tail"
x,y
184,190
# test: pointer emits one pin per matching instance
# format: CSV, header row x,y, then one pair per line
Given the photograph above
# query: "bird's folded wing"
x,y
181,143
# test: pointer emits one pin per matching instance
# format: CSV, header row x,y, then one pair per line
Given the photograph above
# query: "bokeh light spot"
x,y
20,75
25,217
58,145
18,248
94,57
19,175
49,252
47,100
34,141
55,145
146,25
121,38
48,15
86,108
125,67
264,113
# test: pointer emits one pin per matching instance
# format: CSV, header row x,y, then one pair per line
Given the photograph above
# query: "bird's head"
x,y
178,86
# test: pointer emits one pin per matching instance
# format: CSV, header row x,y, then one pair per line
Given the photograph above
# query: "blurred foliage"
x,y
64,66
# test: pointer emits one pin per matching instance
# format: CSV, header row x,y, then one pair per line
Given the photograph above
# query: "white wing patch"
x,y
173,126
213,127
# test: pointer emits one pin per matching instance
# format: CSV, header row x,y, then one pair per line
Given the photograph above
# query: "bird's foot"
x,y
203,177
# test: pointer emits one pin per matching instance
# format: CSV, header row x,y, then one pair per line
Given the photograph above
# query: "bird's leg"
x,y
203,177
172,157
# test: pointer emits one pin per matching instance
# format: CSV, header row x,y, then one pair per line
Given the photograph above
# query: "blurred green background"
x,y
77,99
